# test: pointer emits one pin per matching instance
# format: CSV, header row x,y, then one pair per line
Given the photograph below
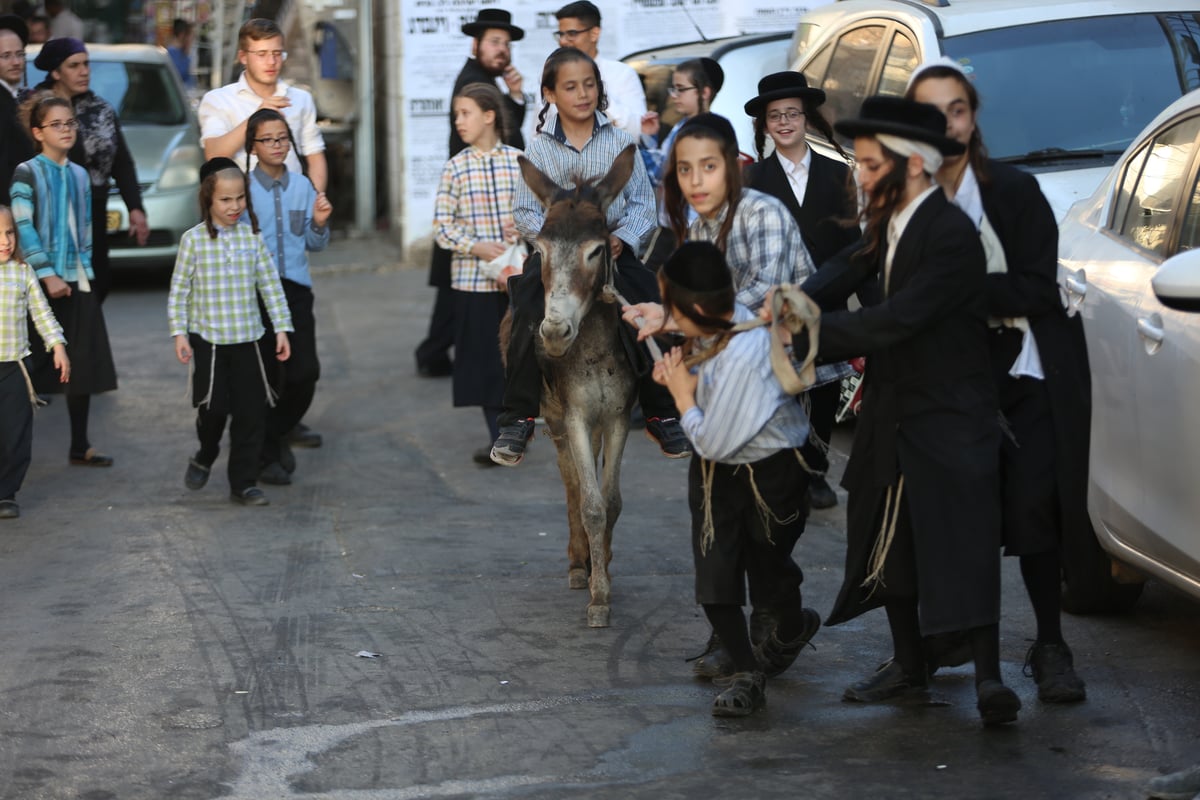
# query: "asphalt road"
x,y
162,643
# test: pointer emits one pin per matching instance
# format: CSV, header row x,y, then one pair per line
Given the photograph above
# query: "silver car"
x,y
1129,263
164,138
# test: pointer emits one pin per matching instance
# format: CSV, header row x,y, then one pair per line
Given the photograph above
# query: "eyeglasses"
x,y
497,41
571,34
273,141
58,126
15,55
675,91
791,115
273,55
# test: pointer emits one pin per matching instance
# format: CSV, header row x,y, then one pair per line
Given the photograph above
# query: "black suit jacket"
x,y
472,72
828,198
15,144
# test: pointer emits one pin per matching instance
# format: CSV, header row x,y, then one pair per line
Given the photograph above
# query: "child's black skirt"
x,y
92,369
478,372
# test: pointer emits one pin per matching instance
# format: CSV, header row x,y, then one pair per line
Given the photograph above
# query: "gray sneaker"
x,y
509,448
1182,785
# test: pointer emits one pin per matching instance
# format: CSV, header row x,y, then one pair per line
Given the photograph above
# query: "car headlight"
x,y
183,168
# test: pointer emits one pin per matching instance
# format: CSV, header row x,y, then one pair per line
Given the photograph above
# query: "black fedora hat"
x,y
780,86
489,18
11,22
907,119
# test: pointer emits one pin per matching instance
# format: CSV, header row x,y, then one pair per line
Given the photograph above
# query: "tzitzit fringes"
x,y
817,442
33,398
262,368
765,514
804,464
887,532
708,470
212,376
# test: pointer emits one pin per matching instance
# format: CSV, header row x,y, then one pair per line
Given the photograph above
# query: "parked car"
x,y
163,136
1065,86
744,59
1129,263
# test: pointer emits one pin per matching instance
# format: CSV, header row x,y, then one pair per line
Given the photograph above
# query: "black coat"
x,y
828,199
15,145
1025,225
472,72
929,413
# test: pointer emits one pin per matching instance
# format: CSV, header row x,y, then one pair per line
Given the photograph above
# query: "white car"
x,y
1129,264
1065,86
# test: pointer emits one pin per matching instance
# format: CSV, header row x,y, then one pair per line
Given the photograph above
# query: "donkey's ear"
x,y
617,177
544,188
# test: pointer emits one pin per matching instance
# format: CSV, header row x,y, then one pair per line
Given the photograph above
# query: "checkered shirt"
x,y
215,282
21,296
474,201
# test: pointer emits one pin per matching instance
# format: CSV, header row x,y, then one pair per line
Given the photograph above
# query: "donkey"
x,y
589,383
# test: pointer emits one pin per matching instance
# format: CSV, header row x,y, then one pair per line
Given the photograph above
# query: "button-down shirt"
x,y
742,414
764,247
797,173
895,230
474,202
225,108
214,286
21,296
284,210
631,215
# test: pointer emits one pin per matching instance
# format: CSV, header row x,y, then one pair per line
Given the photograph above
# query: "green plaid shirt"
x,y
21,296
214,284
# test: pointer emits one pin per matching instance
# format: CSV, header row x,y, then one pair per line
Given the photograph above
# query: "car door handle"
x,y
1149,329
1075,286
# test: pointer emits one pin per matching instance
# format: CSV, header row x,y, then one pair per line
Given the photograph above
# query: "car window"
x,y
900,62
1133,171
1152,208
144,94
1189,233
845,81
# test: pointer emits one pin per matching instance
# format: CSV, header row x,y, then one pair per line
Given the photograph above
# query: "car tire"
x,y
1092,590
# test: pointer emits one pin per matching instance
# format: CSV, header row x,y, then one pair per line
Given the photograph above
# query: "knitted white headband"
x,y
908,147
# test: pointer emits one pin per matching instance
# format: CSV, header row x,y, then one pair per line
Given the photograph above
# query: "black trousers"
x,y
294,380
238,394
523,377
16,429
434,351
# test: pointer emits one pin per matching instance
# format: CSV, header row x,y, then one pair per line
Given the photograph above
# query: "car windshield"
x,y
142,94
1081,84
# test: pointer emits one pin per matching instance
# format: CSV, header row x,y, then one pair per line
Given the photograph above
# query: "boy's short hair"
x,y
255,30
180,26
582,10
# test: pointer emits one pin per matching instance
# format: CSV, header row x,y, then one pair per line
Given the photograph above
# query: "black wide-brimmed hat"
x,y
11,22
907,119
780,86
489,18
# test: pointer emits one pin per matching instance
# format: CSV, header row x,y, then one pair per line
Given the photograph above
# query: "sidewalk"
x,y
369,252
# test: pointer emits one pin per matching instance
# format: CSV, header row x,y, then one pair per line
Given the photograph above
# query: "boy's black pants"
x,y
295,380
523,376
16,429
238,394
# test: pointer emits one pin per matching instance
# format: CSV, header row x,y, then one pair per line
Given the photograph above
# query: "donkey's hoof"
x,y
577,578
597,616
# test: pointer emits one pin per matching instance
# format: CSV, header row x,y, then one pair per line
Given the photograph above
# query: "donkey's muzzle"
x,y
557,334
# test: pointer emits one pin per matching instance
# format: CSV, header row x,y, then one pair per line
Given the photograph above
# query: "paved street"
x,y
162,643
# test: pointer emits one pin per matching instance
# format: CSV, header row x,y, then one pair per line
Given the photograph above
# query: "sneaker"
x,y
667,433
774,655
715,662
275,474
9,509
997,704
250,496
303,436
1052,667
196,475
509,449
1182,785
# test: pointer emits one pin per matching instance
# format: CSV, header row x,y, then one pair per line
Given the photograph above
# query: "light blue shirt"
x,y
742,414
284,211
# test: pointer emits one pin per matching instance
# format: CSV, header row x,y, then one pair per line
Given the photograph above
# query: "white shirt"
x,y
896,226
10,88
626,98
224,109
797,174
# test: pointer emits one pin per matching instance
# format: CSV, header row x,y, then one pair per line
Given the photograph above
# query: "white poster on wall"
x,y
434,50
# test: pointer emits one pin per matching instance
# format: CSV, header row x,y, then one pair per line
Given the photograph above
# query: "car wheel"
x,y
1091,589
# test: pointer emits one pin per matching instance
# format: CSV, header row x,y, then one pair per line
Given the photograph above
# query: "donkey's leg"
x,y
614,448
577,542
593,514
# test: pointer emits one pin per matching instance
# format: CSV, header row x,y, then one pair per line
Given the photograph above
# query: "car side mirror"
x,y
1177,282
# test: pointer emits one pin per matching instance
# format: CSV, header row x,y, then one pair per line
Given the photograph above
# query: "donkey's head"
x,y
574,246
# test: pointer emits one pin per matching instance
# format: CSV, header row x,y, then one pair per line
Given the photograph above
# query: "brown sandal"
x,y
746,694
91,458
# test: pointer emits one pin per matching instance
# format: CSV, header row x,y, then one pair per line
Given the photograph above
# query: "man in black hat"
x,y
490,61
15,145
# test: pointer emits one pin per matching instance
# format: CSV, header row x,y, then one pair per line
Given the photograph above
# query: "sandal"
x,y
92,458
746,694
774,656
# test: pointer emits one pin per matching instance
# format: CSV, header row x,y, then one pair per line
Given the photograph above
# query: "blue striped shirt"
x,y
631,216
742,414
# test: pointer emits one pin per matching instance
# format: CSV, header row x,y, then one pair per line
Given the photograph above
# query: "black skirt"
x,y
92,369
478,372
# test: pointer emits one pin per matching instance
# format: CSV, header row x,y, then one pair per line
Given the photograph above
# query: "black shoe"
x,y
889,681
196,475
667,433
746,694
763,621
1052,667
509,448
287,459
250,496
275,475
483,457
997,703
715,662
821,494
303,436
9,509
438,369
775,656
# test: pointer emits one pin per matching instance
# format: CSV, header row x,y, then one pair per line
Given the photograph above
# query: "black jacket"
x,y
15,145
472,72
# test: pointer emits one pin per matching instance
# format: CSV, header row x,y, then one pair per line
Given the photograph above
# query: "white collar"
x,y
11,89
243,85
790,166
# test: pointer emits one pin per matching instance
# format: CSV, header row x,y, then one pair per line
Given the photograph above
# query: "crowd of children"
x,y
949,255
